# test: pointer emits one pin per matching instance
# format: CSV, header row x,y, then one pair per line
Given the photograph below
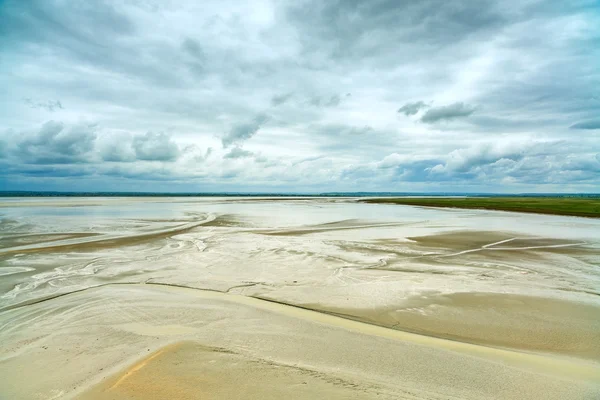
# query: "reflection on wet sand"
x,y
315,297
508,321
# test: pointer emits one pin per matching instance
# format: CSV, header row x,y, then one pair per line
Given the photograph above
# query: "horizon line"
x,y
48,193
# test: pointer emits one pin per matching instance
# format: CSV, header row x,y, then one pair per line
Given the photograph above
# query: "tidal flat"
x,y
237,298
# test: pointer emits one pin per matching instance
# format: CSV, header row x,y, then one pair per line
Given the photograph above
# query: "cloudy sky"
x,y
273,95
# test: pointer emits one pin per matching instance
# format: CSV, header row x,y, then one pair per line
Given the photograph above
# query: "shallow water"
x,y
50,246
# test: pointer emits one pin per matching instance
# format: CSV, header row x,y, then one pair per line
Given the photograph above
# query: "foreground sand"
x,y
188,370
151,341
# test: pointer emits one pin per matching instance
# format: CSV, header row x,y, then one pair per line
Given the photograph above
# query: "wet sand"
x,y
111,340
188,370
519,322
315,298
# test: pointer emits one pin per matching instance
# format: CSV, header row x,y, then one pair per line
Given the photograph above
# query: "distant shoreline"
x,y
576,206
390,195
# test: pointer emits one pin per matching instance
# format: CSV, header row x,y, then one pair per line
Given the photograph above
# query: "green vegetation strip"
x,y
580,207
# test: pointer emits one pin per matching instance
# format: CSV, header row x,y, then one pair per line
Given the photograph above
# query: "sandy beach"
x,y
231,298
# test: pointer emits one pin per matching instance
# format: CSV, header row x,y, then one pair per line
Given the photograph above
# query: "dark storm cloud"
x,y
56,171
196,62
118,151
333,101
193,48
147,147
349,29
326,101
55,144
242,132
47,105
155,147
444,113
412,108
280,99
587,125
81,27
238,152
307,159
52,16
96,34
143,174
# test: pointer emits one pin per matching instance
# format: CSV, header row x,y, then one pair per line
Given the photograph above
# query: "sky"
x,y
303,95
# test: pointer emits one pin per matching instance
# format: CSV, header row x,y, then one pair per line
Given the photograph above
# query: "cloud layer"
x,y
444,113
300,96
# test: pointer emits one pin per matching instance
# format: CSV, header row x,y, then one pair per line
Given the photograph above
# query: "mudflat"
x,y
305,298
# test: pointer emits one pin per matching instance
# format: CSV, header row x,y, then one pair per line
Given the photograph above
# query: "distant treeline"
x,y
291,194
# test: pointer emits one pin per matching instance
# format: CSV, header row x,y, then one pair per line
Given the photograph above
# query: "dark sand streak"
x,y
261,298
104,242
